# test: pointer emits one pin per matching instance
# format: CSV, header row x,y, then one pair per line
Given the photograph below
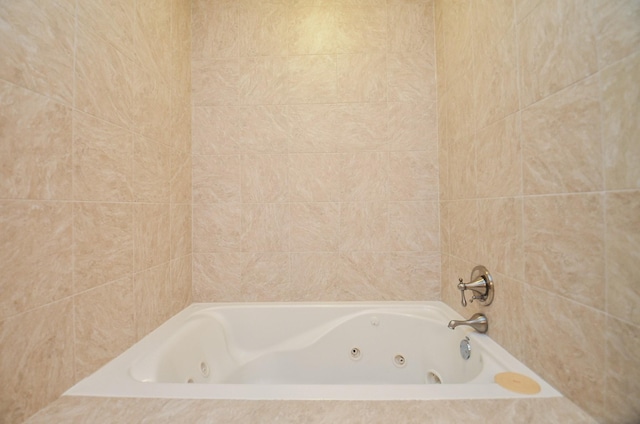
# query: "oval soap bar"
x,y
517,383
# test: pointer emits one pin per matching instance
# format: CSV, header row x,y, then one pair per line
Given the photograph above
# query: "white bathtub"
x,y
333,351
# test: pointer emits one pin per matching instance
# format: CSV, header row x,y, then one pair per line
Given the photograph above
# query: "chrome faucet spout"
x,y
478,322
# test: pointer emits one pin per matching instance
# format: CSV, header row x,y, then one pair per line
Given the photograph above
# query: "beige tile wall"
x,y
539,151
95,186
315,161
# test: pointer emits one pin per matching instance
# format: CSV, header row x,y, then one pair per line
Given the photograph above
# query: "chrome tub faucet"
x,y
478,322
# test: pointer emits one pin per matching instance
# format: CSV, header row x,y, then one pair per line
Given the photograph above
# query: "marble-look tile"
x,y
152,34
313,128
35,154
463,229
263,28
496,82
412,126
459,111
617,29
410,77
315,276
622,376
505,314
102,243
361,127
264,178
572,337
215,130
413,276
152,294
112,20
265,277
151,170
623,255
502,247
215,82
265,227
413,175
312,79
104,325
151,108
180,284
561,142
492,21
216,227
362,276
360,29
35,252
524,7
264,129
565,52
414,226
458,38
37,359
216,178
103,80
315,226
151,235
499,411
364,226
362,77
311,30
37,47
217,277
102,160
498,159
263,80
411,26
364,176
181,233
563,237
314,177
445,233
620,124
181,177
463,180
215,29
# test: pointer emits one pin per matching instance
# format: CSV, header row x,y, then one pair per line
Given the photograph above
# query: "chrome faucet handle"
x,y
462,288
481,284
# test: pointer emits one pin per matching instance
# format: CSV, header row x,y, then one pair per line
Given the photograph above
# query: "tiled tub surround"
x,y
95,186
504,86
538,105
315,165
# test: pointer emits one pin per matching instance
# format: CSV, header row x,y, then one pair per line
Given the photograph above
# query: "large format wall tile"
x,y
35,153
563,237
620,124
40,345
104,325
35,253
565,52
623,254
104,79
102,243
102,160
561,142
37,47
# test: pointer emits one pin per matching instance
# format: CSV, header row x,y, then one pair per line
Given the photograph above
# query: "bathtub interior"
x,y
367,351
367,347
